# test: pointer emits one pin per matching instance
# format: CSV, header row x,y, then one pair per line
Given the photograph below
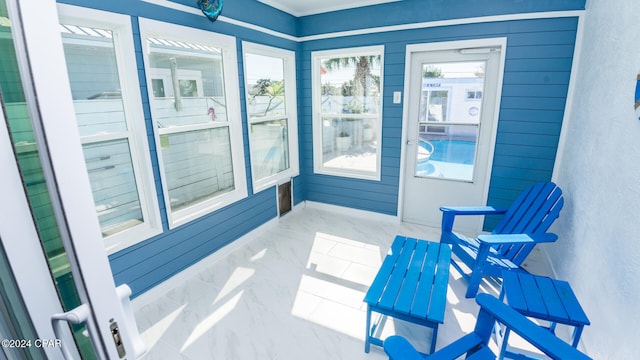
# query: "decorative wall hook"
x,y
210,8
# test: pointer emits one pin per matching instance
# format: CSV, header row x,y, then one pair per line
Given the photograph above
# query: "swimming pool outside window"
x,y
450,107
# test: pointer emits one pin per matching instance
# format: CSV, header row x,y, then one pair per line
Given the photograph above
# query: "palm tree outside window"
x,y
348,111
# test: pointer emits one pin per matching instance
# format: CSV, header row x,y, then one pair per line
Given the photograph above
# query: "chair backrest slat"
x,y
532,212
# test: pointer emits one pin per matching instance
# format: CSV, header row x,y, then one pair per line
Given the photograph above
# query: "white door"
x,y
54,266
451,113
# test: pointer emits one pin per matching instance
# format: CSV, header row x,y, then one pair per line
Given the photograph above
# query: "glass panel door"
x,y
14,319
14,103
48,227
453,94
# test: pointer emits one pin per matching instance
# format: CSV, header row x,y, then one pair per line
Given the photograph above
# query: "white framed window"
x,y
194,94
101,66
347,111
270,86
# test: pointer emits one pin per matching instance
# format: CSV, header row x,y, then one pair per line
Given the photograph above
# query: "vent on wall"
x,y
285,203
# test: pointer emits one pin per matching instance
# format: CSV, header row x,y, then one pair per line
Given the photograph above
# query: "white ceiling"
x,y
309,7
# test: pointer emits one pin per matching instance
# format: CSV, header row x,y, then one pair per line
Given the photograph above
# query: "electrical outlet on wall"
x,y
397,97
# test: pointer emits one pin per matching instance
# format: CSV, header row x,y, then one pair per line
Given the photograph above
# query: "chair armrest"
x,y
449,214
472,210
500,239
534,334
398,348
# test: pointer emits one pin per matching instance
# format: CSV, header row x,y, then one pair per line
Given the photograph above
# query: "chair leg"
x,y
577,332
367,343
434,338
477,271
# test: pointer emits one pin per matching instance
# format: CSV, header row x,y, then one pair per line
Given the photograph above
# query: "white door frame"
x,y
41,58
438,46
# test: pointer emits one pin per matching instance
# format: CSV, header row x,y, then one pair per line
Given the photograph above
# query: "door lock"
x,y
117,339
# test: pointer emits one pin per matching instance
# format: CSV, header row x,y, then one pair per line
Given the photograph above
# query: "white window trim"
x,y
289,59
318,166
132,102
153,28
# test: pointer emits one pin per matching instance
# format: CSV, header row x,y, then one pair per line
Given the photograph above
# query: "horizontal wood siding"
x,y
418,11
538,66
145,265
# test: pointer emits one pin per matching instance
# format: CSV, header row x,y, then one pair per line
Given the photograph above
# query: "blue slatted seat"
x,y
522,226
474,346
411,285
542,298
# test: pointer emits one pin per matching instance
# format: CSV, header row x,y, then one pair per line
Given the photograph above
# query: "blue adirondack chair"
x,y
523,225
475,344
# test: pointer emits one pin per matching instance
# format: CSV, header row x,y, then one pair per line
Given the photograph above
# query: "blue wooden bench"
x,y
542,298
411,285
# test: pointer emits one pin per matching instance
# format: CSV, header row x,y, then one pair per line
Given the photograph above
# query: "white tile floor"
x,y
294,292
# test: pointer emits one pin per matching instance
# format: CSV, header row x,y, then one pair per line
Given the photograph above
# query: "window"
x,y
101,66
474,95
271,107
192,79
347,108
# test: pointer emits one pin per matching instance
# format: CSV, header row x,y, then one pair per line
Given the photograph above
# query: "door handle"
x,y
75,316
82,314
410,142
137,346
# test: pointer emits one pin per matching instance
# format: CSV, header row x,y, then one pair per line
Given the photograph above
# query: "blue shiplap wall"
x,y
538,65
539,57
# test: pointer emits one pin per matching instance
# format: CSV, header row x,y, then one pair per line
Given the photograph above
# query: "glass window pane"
x,y
197,166
187,82
351,85
349,144
95,85
447,152
114,185
265,85
350,103
269,148
451,93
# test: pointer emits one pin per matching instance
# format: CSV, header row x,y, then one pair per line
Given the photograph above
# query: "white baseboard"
x,y
365,214
159,290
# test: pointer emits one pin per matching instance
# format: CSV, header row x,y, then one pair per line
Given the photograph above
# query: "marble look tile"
x,y
293,292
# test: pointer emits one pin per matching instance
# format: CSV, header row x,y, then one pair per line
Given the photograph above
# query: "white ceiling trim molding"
x,y
380,29
442,23
318,7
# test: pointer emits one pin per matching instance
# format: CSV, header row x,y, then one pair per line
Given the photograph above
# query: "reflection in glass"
x,y
187,83
98,102
13,102
197,165
351,107
266,99
269,147
114,185
265,85
450,104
